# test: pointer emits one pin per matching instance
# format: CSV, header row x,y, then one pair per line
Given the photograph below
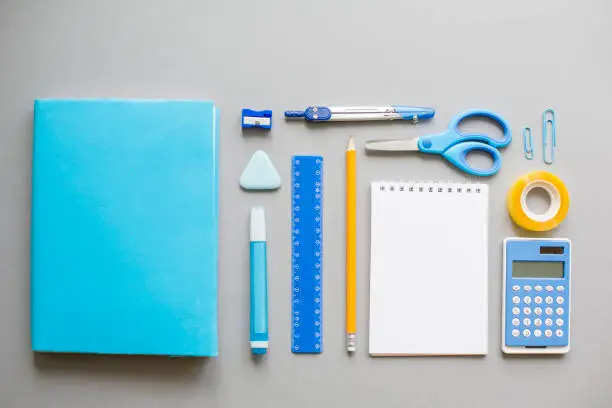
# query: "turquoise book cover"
x,y
124,227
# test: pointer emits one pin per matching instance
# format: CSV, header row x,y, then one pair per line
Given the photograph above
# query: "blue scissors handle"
x,y
474,113
437,144
455,145
457,155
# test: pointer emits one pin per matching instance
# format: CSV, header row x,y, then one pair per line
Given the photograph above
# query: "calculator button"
x,y
527,321
526,333
538,300
549,288
516,300
549,300
559,333
548,311
548,322
559,322
560,300
548,333
537,332
527,288
527,300
516,322
560,311
560,288
538,288
537,322
516,310
526,311
516,332
516,288
537,311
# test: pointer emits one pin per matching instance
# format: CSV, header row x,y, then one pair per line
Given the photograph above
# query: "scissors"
x,y
454,145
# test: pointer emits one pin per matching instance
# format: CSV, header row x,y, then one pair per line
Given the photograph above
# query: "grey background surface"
x,y
515,57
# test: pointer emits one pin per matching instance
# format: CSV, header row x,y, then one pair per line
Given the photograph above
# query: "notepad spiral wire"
x,y
431,187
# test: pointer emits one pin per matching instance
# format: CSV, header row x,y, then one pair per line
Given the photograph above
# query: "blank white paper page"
x,y
428,272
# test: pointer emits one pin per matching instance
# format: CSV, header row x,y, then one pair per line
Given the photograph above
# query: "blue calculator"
x,y
536,288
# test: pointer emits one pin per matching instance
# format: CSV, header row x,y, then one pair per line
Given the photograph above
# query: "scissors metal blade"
x,y
393,145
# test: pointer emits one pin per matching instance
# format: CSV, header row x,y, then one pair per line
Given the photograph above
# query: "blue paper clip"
x,y
548,118
527,143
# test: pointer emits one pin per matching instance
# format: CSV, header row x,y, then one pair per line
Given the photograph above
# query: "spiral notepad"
x,y
428,272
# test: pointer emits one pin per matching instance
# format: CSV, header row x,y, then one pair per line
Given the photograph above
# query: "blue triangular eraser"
x,y
260,173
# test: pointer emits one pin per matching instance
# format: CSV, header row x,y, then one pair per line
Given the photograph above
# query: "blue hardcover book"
x,y
124,227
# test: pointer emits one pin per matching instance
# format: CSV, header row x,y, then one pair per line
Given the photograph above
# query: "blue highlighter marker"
x,y
259,283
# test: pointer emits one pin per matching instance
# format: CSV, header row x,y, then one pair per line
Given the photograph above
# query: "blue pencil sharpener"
x,y
256,119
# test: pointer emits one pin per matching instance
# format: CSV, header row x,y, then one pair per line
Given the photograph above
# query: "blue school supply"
x,y
124,227
536,305
549,120
527,143
455,145
362,113
259,282
260,173
256,119
307,254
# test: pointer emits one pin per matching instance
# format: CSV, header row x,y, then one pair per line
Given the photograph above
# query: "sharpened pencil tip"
x,y
351,144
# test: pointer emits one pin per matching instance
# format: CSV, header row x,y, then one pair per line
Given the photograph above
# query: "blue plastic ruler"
x,y
306,254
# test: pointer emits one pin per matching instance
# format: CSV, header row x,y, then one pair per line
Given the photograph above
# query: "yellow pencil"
x,y
351,273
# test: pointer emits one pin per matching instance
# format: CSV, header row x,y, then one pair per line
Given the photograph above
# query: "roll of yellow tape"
x,y
526,218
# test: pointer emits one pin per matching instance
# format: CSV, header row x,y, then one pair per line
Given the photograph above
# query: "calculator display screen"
x,y
534,269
